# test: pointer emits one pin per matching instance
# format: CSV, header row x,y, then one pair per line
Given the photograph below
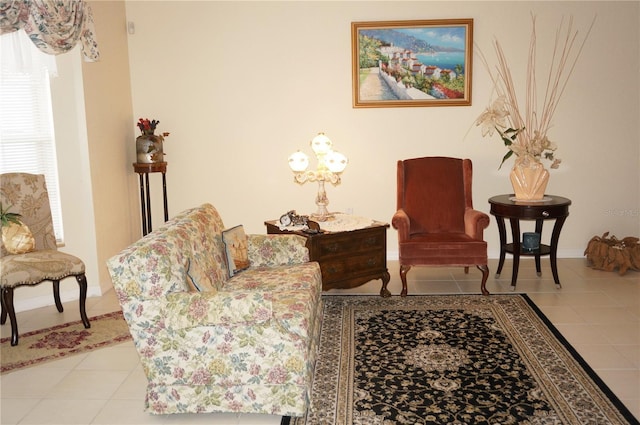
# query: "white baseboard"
x,y
72,294
47,300
495,254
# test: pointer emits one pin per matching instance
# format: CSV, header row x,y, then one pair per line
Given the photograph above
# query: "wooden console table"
x,y
143,169
553,207
348,258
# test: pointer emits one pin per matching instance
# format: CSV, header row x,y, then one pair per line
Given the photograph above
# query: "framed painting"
x,y
412,63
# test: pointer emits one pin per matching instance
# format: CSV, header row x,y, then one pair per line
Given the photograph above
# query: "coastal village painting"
x,y
412,63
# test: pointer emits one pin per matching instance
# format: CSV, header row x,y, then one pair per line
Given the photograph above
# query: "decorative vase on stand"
x,y
149,149
529,179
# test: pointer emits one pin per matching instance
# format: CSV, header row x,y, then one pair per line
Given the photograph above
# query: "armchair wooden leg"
x,y
403,276
82,282
56,295
485,274
7,308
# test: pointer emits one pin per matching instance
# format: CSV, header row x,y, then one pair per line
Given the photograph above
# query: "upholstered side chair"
x,y
27,195
435,219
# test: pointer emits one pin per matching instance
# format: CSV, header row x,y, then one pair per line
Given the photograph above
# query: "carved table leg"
x,y
386,277
539,223
503,243
554,249
515,235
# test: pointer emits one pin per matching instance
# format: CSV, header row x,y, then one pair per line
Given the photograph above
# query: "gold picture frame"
x,y
412,63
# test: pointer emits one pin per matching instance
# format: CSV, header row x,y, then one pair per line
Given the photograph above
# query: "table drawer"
x,y
544,213
344,268
530,211
350,243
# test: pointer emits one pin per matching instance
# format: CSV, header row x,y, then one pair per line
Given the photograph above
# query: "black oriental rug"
x,y
451,359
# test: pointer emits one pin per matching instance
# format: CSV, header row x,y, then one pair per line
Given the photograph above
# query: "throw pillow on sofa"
x,y
236,248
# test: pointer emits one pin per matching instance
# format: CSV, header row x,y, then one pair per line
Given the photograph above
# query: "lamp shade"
x,y
298,161
321,144
336,162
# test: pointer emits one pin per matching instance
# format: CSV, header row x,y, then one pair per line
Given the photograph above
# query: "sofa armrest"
x,y
402,224
277,250
192,309
475,222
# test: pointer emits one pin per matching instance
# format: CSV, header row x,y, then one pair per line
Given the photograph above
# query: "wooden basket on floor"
x,y
608,253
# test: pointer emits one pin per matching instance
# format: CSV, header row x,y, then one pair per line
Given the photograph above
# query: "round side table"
x,y
551,207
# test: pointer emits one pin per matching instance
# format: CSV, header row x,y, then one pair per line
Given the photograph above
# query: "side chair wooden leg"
x,y
403,276
485,274
3,309
56,295
7,304
82,282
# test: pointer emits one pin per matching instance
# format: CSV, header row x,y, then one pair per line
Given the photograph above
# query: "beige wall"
x,y
241,85
107,89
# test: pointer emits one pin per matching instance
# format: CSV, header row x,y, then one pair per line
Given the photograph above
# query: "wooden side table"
x,y
552,207
143,169
348,258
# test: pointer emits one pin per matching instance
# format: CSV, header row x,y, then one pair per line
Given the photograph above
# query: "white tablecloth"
x,y
339,222
344,222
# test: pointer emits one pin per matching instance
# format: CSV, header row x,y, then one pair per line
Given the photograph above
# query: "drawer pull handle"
x,y
371,261
545,213
333,247
370,241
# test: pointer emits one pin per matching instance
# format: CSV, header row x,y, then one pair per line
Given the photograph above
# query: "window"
x,y
27,142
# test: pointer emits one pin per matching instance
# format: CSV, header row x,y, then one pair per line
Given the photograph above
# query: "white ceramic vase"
x,y
529,179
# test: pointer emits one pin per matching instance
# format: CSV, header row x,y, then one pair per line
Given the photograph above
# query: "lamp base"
x,y
322,201
321,217
323,213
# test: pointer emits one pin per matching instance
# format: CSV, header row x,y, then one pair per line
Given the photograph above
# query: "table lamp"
x,y
330,165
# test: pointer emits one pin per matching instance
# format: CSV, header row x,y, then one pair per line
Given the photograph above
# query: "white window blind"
x,y
27,142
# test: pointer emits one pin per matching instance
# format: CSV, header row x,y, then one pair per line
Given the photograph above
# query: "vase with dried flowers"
x,y
524,131
149,146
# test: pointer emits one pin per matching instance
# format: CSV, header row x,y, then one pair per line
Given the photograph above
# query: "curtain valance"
x,y
54,26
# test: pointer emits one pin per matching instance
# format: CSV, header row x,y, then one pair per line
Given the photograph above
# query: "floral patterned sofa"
x,y
241,344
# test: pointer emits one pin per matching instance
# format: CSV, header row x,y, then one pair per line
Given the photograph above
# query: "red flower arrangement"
x,y
146,126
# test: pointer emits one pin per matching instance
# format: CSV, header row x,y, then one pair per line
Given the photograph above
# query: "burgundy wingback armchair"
x,y
435,219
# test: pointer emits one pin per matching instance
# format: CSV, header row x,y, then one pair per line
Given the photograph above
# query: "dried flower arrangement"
x,y
524,131
147,126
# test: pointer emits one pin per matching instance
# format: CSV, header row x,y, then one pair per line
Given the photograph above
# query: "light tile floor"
x,y
598,312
